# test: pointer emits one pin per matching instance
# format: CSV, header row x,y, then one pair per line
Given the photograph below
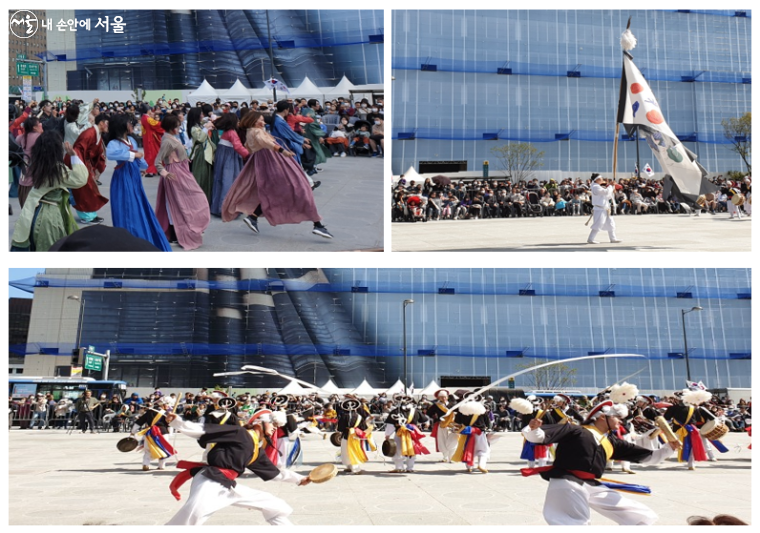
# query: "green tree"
x,y
520,160
738,130
554,377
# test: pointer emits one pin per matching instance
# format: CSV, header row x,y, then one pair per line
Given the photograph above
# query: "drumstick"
x,y
176,404
589,219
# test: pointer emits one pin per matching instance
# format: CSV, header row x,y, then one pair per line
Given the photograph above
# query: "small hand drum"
x,y
323,473
127,444
335,439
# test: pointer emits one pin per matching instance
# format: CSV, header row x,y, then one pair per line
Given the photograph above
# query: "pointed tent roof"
x,y
331,387
429,390
307,88
238,92
396,388
411,174
364,389
342,89
293,388
204,93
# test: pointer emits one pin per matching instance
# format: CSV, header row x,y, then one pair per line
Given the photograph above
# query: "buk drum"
x,y
737,199
713,429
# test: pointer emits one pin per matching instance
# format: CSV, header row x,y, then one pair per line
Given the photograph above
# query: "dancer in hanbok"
x,y
151,135
230,154
181,206
46,216
200,127
130,208
271,184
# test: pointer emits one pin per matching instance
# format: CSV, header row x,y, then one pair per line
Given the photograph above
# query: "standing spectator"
x,y
39,412
377,137
85,406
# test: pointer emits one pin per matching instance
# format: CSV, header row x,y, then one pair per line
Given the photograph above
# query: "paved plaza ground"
x,y
639,233
350,201
81,479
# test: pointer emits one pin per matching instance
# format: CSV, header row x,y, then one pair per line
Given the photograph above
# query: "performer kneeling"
x,y
582,452
214,486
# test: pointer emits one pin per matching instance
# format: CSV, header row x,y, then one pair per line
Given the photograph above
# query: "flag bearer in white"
x,y
601,195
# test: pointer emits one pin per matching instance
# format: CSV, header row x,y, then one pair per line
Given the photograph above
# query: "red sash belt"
x,y
181,478
577,473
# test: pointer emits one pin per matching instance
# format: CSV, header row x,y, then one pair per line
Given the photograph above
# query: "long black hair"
x,y
72,113
29,125
228,121
46,168
117,126
194,117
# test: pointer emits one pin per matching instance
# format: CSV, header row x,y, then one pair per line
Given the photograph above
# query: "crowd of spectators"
x,y
44,412
446,199
363,128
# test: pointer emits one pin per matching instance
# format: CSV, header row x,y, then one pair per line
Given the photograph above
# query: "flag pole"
x,y
617,126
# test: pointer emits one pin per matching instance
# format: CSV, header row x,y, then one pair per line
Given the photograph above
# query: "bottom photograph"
x,y
360,396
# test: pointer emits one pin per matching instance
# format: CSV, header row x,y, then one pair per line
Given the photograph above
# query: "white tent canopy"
x,y
342,89
307,89
396,388
364,390
295,389
331,387
204,93
238,92
409,175
429,390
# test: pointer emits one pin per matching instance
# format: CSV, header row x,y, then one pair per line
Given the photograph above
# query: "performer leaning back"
x,y
582,452
214,486
601,196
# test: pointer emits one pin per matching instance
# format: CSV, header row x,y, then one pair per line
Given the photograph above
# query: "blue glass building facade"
x,y
178,49
466,81
176,327
475,322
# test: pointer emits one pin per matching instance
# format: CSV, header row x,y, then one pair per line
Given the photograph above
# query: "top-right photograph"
x,y
576,130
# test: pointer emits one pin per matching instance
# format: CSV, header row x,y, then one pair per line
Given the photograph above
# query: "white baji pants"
x,y
207,497
402,462
569,504
602,222
447,442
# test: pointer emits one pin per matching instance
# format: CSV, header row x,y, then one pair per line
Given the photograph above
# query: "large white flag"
x,y
638,109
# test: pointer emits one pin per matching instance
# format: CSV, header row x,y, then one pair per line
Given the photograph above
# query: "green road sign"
x,y
27,69
93,362
20,56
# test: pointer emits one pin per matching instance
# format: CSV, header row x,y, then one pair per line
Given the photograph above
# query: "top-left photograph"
x,y
196,130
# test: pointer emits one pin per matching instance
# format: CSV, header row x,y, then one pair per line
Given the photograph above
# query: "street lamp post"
x,y
406,375
81,303
684,312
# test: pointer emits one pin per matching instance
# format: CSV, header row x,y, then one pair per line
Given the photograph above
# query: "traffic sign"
x,y
91,348
27,69
20,56
93,362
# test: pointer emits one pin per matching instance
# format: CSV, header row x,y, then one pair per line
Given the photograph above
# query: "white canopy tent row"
x,y
307,89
